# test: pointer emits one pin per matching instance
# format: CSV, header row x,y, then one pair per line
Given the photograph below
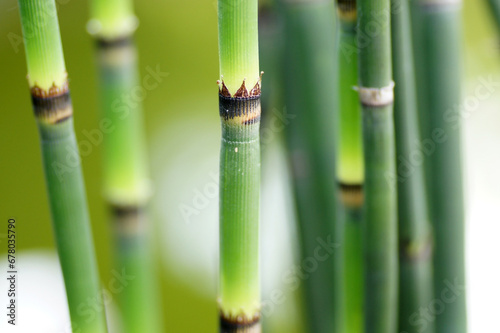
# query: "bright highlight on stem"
x,y
112,19
66,191
350,167
239,109
238,43
44,55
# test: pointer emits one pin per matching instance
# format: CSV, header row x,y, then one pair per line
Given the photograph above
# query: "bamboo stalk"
x,y
239,109
309,82
126,176
495,9
380,225
415,239
52,106
350,166
439,85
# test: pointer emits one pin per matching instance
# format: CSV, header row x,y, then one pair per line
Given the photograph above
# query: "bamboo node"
x,y
242,92
376,97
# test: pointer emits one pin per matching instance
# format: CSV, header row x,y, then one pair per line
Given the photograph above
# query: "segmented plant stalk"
x,y
126,178
61,161
439,85
415,240
240,110
380,220
350,166
309,96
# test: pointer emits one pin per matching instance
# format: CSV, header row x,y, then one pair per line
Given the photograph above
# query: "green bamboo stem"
x,y
495,9
380,225
125,171
350,166
66,191
310,137
240,110
439,85
415,240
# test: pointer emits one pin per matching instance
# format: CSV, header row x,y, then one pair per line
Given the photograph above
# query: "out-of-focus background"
x,y
183,135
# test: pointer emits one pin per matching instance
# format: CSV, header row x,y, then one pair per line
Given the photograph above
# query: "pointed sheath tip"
x,y
223,91
242,92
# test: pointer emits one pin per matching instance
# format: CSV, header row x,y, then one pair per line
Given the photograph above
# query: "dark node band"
x,y
346,6
126,211
232,107
424,252
114,43
351,195
350,187
242,326
129,222
56,107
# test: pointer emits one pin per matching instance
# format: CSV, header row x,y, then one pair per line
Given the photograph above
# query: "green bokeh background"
x,y
181,38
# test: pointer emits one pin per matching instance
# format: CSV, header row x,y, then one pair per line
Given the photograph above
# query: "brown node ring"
x,y
351,194
346,6
114,43
52,106
240,324
423,252
246,109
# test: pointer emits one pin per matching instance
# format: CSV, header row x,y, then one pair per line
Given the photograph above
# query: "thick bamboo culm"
x,y
125,166
53,110
415,239
494,6
350,167
380,220
240,111
309,83
439,45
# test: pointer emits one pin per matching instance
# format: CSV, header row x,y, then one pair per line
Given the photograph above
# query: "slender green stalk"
x,y
495,9
439,90
350,166
380,224
240,110
126,178
309,86
415,240
66,191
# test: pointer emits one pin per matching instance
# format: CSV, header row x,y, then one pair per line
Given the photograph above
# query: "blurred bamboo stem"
x,y
415,239
61,160
350,167
380,224
240,111
309,81
439,43
125,167
495,9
